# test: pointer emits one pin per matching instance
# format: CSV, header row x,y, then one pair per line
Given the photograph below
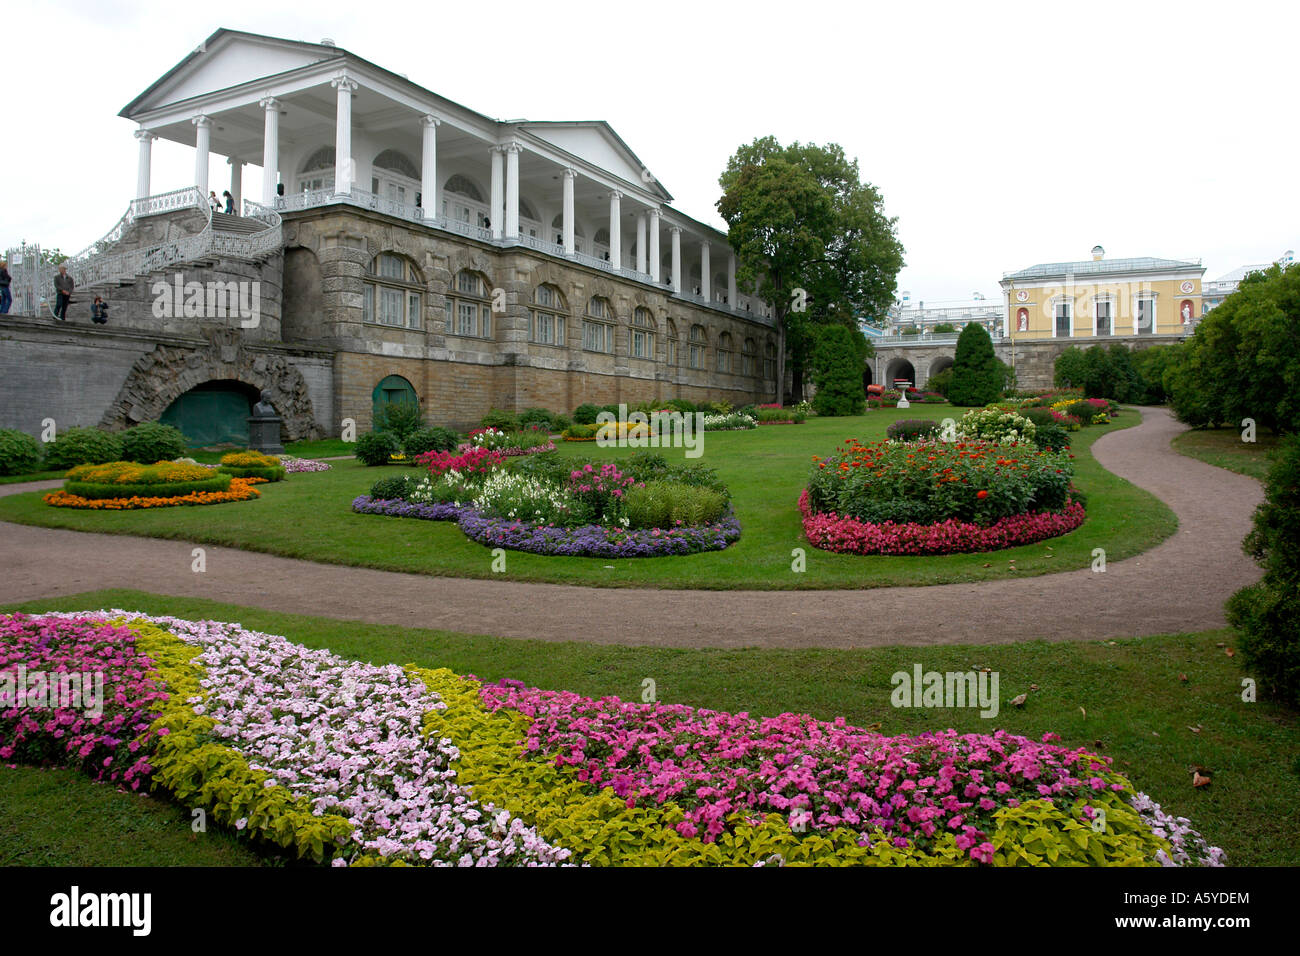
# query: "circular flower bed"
x,y
643,507
934,497
296,466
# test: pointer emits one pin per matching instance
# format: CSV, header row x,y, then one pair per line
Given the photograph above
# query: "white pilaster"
x,y
654,245
676,232
430,203
569,176
498,213
512,190
142,174
705,269
270,149
615,230
343,168
202,143
731,280
236,183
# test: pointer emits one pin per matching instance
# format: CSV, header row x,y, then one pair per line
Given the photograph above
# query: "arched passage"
x,y
899,368
939,364
213,413
866,376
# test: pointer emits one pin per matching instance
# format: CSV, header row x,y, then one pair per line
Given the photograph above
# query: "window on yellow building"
x,y
1145,317
1064,313
1104,313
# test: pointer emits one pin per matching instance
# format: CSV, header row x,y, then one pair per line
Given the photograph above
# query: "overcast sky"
x,y
999,134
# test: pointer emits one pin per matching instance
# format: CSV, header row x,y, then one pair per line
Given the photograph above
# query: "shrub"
x,y
941,381
430,438
912,429
665,504
391,487
535,418
560,422
1151,364
1052,437
95,491
252,464
1068,369
977,377
1268,613
585,414
578,432
398,419
837,362
683,405
500,419
151,441
994,425
375,448
20,454
83,446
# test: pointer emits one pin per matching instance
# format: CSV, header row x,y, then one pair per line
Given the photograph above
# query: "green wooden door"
x,y
211,415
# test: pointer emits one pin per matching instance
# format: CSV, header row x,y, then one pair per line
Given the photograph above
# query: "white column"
x,y
731,281
654,245
142,175
429,168
270,149
676,232
705,269
640,243
236,184
498,213
569,176
343,169
512,189
202,143
615,231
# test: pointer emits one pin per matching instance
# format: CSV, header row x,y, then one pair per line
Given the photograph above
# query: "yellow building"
x,y
1102,298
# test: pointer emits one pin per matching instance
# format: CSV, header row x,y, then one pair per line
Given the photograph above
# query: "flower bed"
x,y
357,764
566,507
239,489
252,464
849,536
732,422
509,444
935,497
593,541
297,466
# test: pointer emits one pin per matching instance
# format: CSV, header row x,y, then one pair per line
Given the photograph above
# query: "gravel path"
x,y
1178,586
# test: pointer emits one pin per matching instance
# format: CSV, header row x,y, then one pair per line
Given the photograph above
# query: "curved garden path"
x,y
1180,585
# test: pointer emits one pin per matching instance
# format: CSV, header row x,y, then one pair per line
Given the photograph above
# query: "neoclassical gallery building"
x,y
405,247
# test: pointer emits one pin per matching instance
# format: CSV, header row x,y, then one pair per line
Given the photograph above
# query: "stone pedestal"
x,y
264,434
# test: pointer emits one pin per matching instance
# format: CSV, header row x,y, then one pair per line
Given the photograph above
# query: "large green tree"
x,y
811,239
1244,359
837,362
977,375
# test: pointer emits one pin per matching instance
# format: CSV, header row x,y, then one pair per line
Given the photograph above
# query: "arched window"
x,y
600,243
749,358
392,292
396,162
598,326
643,335
672,358
463,201
469,308
318,171
769,362
548,317
695,353
724,353
557,227
392,389
394,177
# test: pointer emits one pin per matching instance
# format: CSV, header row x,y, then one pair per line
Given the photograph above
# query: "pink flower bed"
x,y
471,461
45,728
830,532
823,774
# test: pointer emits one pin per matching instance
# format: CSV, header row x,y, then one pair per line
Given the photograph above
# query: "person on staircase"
x,y
99,311
63,286
212,200
230,202
6,299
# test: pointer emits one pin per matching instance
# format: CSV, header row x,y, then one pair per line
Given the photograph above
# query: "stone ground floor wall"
x,y
458,394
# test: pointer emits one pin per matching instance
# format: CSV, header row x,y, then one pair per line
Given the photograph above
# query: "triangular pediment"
x,y
226,59
595,142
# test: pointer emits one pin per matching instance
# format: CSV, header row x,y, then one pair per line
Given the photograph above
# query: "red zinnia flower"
x,y
981,494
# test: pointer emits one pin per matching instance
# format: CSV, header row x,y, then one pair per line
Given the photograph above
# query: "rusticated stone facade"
x,y
162,375
457,378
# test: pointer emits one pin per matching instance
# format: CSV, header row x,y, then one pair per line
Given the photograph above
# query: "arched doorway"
x,y
899,368
392,389
940,364
866,377
214,413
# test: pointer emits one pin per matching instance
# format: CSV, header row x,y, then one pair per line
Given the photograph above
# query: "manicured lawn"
x,y
323,448
1224,448
35,476
58,817
1123,699
309,516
